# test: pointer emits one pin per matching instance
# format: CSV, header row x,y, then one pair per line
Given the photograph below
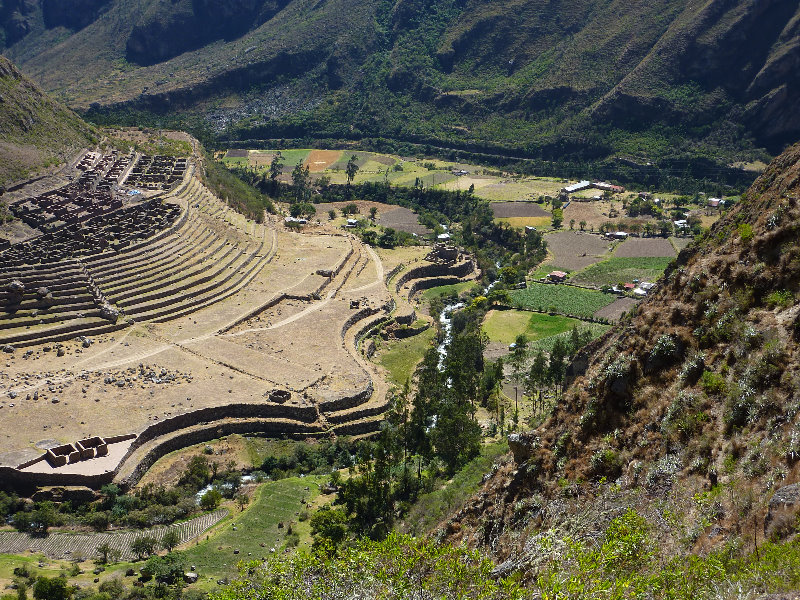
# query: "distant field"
x,y
520,222
563,299
402,357
276,502
504,210
622,270
645,247
574,250
505,325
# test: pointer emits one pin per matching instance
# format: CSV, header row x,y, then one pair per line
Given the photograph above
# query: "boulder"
x,y
782,512
16,288
109,313
190,577
522,445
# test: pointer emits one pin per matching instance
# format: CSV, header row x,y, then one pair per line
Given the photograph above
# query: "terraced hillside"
x,y
224,326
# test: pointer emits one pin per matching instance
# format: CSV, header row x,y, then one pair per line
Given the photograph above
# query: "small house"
x,y
557,276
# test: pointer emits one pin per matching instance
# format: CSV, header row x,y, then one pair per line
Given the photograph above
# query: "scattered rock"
x,y
190,577
522,445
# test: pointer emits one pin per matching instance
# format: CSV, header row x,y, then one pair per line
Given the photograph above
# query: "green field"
x,y
622,270
446,290
505,325
276,501
402,357
563,299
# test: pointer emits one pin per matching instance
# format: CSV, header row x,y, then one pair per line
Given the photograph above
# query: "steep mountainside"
x,y
586,77
688,411
35,130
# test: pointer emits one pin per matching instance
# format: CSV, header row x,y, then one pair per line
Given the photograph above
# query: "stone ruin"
x,y
86,449
157,172
106,232
443,254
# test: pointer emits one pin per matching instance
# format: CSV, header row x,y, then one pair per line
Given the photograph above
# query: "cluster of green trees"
x,y
428,434
147,506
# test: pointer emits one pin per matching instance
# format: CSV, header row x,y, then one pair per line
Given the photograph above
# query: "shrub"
x,y
606,463
745,232
781,299
712,383
693,367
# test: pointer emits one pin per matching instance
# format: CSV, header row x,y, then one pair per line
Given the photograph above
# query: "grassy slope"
x,y
276,502
402,357
35,131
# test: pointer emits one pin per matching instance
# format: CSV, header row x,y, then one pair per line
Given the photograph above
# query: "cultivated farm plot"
x,y
616,309
645,247
575,250
319,160
622,270
257,531
402,219
563,299
505,325
518,209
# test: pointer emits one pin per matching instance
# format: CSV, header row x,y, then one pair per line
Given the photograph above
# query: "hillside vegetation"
x,y
684,417
35,131
579,78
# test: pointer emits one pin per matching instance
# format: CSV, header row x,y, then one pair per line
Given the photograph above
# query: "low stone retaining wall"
x,y
425,284
458,270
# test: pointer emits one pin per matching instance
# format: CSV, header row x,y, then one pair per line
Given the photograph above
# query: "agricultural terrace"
x,y
562,299
574,250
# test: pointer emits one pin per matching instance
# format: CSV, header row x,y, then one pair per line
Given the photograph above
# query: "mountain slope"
x,y
688,411
35,131
590,77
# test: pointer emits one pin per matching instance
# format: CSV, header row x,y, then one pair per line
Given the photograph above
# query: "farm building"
x,y
618,235
716,202
557,276
608,187
577,187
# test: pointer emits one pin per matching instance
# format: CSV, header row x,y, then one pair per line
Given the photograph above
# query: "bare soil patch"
x,y
644,247
575,250
403,219
260,159
503,210
616,309
237,153
319,160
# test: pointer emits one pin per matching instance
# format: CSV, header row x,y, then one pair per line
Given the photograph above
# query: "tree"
x,y
197,473
582,224
51,588
242,500
329,527
300,180
351,169
558,218
103,550
373,211
275,168
331,214
165,569
572,224
211,499
143,546
171,539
